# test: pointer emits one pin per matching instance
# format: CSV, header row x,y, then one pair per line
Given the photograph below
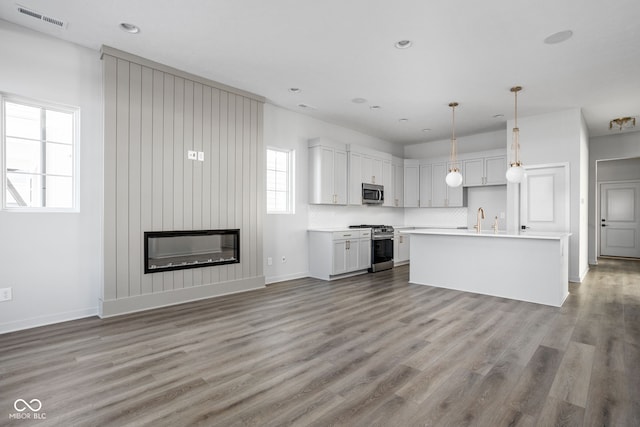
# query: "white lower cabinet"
x,y
334,253
400,248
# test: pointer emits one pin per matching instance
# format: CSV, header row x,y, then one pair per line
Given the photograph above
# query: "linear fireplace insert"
x,y
177,250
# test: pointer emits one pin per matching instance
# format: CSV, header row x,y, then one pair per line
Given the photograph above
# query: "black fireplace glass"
x,y
177,250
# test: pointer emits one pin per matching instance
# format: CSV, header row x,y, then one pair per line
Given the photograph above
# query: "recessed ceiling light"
x,y
375,107
498,116
129,28
403,44
358,100
295,90
403,120
559,37
426,130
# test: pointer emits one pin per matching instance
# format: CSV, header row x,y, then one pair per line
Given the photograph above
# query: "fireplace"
x,y
178,250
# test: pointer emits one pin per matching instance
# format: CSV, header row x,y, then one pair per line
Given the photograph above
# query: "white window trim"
x,y
291,208
5,97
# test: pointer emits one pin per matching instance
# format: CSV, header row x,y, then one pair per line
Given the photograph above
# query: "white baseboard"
x,y
35,322
580,278
285,277
137,303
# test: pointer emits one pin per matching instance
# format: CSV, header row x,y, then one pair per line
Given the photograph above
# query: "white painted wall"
x,y
613,146
466,144
286,235
551,139
619,170
53,261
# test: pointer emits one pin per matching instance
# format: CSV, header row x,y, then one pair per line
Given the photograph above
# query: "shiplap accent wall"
x,y
153,115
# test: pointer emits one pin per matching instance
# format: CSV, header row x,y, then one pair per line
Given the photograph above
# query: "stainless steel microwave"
x,y
372,194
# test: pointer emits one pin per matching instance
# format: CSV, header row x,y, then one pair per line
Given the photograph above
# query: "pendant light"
x,y
454,177
515,173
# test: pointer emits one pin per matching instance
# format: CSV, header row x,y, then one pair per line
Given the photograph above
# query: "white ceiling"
x,y
471,52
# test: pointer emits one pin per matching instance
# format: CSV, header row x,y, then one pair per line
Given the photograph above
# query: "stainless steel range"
x,y
381,246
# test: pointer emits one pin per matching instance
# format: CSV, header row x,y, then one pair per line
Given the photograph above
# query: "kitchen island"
x,y
527,267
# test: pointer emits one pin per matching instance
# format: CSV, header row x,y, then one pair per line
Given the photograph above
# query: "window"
x,y
280,181
38,155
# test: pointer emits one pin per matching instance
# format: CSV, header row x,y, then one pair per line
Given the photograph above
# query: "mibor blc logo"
x,y
27,410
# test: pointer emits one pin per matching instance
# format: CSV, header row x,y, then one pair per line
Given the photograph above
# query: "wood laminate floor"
x,y
370,350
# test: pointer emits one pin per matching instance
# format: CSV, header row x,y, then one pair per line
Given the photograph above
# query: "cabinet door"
x,y
367,170
340,177
403,248
364,253
439,185
353,255
355,178
411,187
495,169
326,175
473,172
426,186
398,185
376,171
387,182
455,195
339,257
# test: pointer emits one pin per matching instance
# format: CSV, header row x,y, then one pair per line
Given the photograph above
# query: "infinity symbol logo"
x,y
37,405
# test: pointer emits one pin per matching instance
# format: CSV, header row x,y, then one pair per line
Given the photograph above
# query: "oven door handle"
x,y
382,238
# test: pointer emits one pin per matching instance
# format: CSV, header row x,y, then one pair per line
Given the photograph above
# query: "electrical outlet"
x,y
201,156
284,259
5,294
501,215
269,261
192,155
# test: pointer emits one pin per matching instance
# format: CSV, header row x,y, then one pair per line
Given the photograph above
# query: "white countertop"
x,y
487,233
333,229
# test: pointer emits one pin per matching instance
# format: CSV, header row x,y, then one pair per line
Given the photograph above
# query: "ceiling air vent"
x,y
41,17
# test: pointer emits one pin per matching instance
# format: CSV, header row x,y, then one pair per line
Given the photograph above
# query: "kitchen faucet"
x,y
480,216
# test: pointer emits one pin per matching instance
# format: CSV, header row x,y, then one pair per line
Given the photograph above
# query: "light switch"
x,y
201,156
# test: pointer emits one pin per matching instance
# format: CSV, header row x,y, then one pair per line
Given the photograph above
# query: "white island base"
x,y
523,267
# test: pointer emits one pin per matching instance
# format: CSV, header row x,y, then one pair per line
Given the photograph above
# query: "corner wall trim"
x,y
117,307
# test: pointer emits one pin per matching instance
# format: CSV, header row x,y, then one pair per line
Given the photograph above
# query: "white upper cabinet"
x,y
434,191
411,185
387,182
495,169
397,165
328,173
485,171
426,186
369,167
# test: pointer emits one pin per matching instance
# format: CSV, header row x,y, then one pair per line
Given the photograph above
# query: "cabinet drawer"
x,y
352,234
341,235
365,233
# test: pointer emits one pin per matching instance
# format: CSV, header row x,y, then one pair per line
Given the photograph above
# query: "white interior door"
x,y
620,219
544,199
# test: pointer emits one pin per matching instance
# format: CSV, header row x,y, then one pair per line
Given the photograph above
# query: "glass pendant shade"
x,y
454,178
515,174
